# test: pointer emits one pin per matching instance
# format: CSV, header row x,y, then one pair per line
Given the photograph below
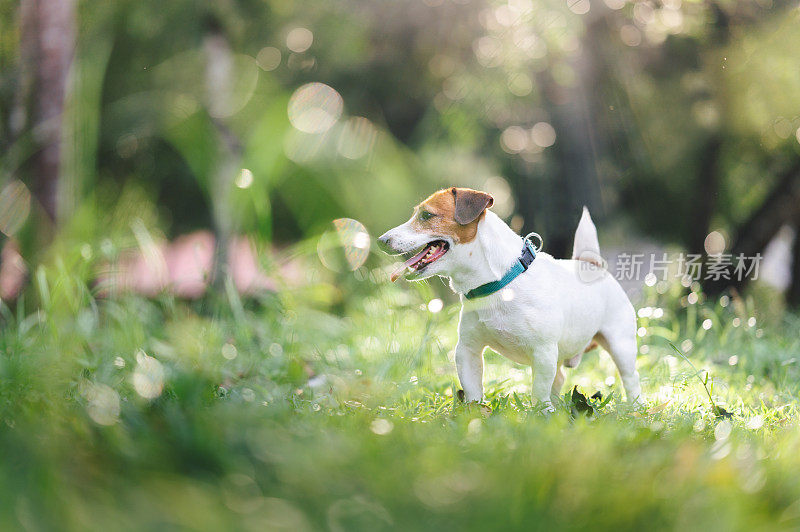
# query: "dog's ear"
x,y
470,204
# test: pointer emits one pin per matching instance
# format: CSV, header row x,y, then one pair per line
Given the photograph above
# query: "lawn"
x,y
330,405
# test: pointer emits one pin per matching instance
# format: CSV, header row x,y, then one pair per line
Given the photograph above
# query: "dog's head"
x,y
430,240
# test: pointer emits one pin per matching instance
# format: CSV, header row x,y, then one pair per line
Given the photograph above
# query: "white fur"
x,y
586,246
544,317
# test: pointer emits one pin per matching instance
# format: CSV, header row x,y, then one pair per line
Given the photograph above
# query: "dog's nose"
x,y
385,242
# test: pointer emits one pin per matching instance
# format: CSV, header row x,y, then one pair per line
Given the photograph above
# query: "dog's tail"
x,y
586,246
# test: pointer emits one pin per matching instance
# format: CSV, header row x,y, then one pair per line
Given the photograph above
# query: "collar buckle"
x,y
529,251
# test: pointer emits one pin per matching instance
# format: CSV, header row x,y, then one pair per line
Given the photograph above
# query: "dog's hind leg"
x,y
621,345
558,382
545,373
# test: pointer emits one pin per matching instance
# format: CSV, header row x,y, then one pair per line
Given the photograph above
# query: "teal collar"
x,y
520,266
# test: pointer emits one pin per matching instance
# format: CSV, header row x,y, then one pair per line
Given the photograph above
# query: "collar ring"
x,y
537,236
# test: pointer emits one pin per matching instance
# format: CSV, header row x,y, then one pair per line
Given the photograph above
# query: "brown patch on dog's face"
x,y
438,213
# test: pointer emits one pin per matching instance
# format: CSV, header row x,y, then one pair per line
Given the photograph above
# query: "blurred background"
x,y
172,145
197,330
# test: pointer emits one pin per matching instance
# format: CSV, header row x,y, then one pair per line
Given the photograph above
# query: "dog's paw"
x,y
546,408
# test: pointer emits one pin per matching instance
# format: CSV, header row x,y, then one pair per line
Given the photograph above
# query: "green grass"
x,y
331,406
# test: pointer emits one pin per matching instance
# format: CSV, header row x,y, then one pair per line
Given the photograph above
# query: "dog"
x,y
516,299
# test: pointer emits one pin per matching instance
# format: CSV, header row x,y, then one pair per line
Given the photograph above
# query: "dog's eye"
x,y
425,215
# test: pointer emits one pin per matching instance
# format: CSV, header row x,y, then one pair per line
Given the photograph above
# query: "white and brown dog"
x,y
530,307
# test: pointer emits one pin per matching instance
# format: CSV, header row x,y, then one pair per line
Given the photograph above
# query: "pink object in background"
x,y
244,269
188,260
12,271
182,267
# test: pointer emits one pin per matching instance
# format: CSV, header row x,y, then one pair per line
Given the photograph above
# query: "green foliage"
x,y
332,401
291,411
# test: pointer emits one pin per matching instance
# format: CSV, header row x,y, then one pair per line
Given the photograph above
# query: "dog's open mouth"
x,y
432,252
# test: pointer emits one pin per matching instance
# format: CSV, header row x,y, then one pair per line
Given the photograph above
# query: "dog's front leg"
x,y
469,356
469,363
545,367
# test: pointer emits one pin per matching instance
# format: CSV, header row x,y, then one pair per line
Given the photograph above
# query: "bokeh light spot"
x,y
103,404
268,58
513,139
500,190
520,85
361,240
644,13
630,35
345,246
782,127
148,378
357,138
315,108
488,51
229,351
723,430
531,45
244,179
579,7
299,40
381,426
755,422
543,135
714,243
435,305
672,19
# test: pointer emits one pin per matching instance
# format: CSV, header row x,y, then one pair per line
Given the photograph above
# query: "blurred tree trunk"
x,y
707,190
219,76
708,175
46,49
781,206
575,181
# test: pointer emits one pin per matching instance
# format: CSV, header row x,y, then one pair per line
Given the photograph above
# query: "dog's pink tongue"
x,y
408,264
397,273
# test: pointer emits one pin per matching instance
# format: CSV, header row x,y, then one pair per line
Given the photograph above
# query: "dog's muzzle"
x,y
385,243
